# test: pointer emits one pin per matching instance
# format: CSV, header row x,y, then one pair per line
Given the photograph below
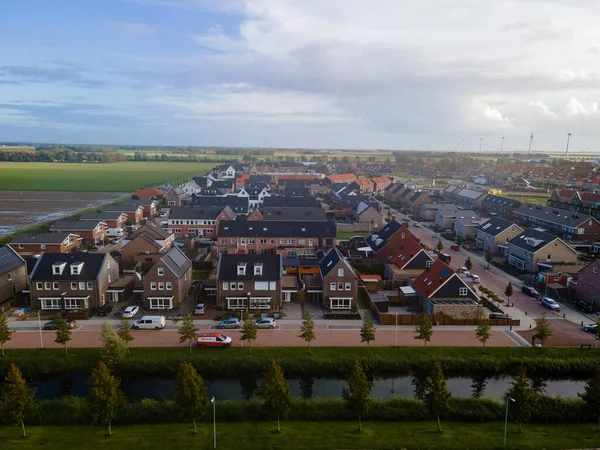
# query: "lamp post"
x,y
396,326
40,326
214,402
506,417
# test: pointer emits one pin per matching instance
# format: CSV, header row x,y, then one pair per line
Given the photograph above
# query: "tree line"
x,y
62,155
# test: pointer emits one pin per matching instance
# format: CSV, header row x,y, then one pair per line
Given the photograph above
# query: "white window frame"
x,y
160,271
161,286
233,286
73,285
348,286
236,303
333,286
340,286
428,263
168,286
39,286
340,303
76,303
90,285
272,285
260,303
261,285
240,286
153,286
226,285
55,286
340,272
47,286
463,291
50,303
82,285
161,303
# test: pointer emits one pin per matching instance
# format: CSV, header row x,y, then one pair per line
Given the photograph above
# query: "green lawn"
x,y
537,200
117,177
306,435
349,234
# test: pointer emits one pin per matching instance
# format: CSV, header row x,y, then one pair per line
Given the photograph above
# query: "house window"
x,y
161,303
340,286
272,285
462,291
340,272
161,286
47,285
90,286
263,241
251,241
290,241
74,285
260,303
223,241
233,286
348,286
281,241
272,241
75,303
302,241
168,286
39,286
21,246
258,268
226,285
236,303
261,285
50,303
428,263
153,286
241,269
161,271
42,246
340,303
82,285
403,235
55,286
333,286
240,286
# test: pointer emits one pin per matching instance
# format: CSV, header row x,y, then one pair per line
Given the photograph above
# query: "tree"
x,y
124,332
63,332
459,240
105,396
190,393
248,332
113,347
307,329
469,264
591,396
440,245
188,331
358,395
18,401
542,330
524,398
508,291
367,331
438,396
424,329
488,258
5,333
275,394
484,330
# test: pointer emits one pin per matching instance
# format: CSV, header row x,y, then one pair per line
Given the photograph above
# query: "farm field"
x,y
117,177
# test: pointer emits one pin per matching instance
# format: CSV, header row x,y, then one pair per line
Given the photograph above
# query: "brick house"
x,y
585,202
112,219
536,251
587,287
469,198
466,225
381,183
494,235
153,231
72,280
238,205
32,244
392,194
304,213
415,202
404,198
502,206
363,185
408,261
339,281
176,197
288,238
91,231
142,249
444,218
134,212
249,282
13,273
568,224
341,178
149,206
365,212
148,194
197,221
386,242
167,283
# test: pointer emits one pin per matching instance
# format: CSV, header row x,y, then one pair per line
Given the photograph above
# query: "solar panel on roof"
x,y
445,273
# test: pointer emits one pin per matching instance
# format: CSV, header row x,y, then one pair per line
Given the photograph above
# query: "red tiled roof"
x,y
406,252
430,280
363,181
148,193
566,193
588,196
342,177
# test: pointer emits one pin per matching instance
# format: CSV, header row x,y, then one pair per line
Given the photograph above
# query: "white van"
x,y
150,323
114,232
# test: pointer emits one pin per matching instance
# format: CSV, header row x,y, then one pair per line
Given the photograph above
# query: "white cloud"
x,y
132,29
576,108
541,109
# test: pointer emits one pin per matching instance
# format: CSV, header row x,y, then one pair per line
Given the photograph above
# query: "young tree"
x,y
18,401
440,245
367,331
438,396
424,329
460,240
542,330
275,394
358,395
524,398
488,258
5,333
63,332
469,264
124,332
113,347
190,393
105,396
248,332
591,396
508,291
188,331
307,329
483,331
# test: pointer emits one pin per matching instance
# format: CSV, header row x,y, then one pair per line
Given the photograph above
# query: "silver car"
x,y
267,322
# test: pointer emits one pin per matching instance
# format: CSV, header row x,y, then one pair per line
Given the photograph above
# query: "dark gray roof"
x,y
9,259
43,238
176,261
407,193
228,264
495,226
75,225
239,205
532,240
122,208
470,193
131,202
200,181
275,201
310,213
304,262
416,195
223,184
378,239
273,228
194,212
101,215
501,201
554,215
92,265
211,191
332,258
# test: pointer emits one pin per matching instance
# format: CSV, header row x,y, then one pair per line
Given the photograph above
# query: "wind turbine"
x,y
502,146
530,142
480,143
568,142
463,145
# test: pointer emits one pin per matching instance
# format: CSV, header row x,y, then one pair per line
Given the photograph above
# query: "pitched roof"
x,y
331,259
92,266
311,213
194,212
407,252
378,239
342,177
122,207
132,202
176,261
75,225
275,228
532,240
154,230
239,205
553,215
431,280
9,259
146,193
502,201
227,268
101,215
495,226
43,238
144,237
470,193
276,201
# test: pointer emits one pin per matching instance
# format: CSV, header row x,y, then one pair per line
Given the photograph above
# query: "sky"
x,y
393,74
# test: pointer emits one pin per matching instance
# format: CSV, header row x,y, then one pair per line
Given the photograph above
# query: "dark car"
x,y
584,306
529,291
52,324
105,310
500,316
590,328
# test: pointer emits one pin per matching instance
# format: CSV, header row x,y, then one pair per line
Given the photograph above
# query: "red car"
x,y
455,247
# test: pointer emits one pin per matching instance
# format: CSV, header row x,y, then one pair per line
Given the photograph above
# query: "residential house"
x,y
469,198
380,183
387,241
288,238
341,178
90,231
167,283
176,197
536,251
415,202
306,213
142,248
227,185
134,212
494,235
444,218
497,205
363,185
585,202
154,231
284,201
443,291
450,193
13,273
249,282
256,196
393,192
466,224
192,187
428,210
587,286
568,224
112,219
149,207
72,280
197,221
404,198
339,281
148,194
408,261
365,212
28,244
238,205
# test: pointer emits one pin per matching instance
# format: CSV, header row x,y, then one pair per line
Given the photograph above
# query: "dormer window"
x,y
76,268
258,267
241,269
57,268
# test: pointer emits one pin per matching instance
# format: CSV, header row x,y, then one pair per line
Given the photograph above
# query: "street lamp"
x,y
40,326
214,402
506,417
396,327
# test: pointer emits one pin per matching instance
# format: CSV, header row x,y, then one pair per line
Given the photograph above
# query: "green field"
x,y
16,148
306,435
117,177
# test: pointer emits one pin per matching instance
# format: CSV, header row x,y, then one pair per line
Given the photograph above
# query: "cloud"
x,y
51,72
132,29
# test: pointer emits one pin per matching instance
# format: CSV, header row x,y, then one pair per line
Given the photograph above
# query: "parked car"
x,y
52,324
164,214
590,327
230,323
455,247
131,311
550,303
115,241
199,309
584,306
416,224
500,316
150,323
530,291
105,310
464,271
213,340
266,322
475,278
